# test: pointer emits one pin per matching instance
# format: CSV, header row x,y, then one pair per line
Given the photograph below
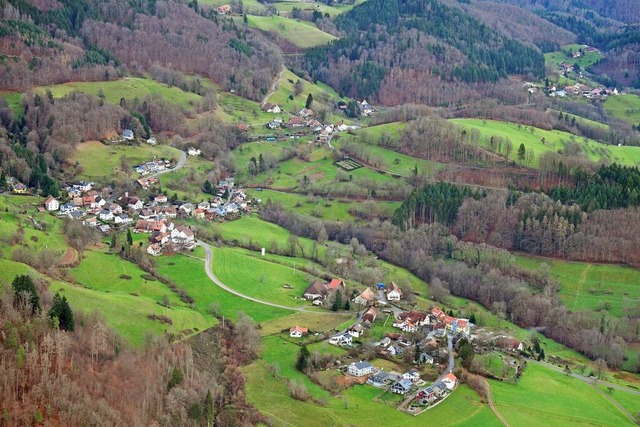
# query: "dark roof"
x,y
317,287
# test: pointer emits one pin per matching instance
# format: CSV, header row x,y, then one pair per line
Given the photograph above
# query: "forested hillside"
x,y
90,40
395,50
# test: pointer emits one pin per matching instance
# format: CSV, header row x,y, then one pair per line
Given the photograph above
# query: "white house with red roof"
x,y
298,331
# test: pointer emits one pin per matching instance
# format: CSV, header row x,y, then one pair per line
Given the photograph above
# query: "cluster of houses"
x,y
403,383
580,89
165,236
319,291
153,166
413,321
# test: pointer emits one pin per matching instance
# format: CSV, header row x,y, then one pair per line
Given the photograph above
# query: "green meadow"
x,y
301,33
333,10
323,95
188,273
14,101
260,277
554,140
624,107
544,397
587,286
102,161
128,88
581,119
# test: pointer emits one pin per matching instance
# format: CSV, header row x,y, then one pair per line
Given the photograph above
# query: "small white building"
x,y
51,204
297,332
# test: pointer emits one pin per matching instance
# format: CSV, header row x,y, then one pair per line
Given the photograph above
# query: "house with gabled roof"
x,y
335,284
51,204
370,315
298,332
317,290
394,293
402,387
365,297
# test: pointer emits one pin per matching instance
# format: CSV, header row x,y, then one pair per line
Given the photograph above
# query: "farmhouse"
x,y
193,151
366,297
297,332
356,330
51,204
271,108
19,188
225,9
127,134
317,290
360,369
336,284
154,249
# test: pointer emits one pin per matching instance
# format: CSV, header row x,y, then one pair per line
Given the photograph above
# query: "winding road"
x,y
222,285
181,162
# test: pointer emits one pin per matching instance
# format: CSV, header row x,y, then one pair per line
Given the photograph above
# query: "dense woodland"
x,y
391,55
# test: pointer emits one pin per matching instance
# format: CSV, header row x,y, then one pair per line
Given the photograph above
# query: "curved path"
x,y
274,85
181,162
493,407
221,284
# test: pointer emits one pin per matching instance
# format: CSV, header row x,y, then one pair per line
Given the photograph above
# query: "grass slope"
x,y
127,88
554,140
301,33
14,101
100,161
585,286
544,397
624,107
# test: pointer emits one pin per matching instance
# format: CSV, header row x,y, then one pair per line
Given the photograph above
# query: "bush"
x,y
125,277
148,277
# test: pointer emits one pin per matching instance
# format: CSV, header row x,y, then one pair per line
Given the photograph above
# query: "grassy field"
x,y
301,33
14,100
334,210
101,161
585,61
127,88
585,286
391,161
335,9
624,107
544,397
188,273
554,140
259,277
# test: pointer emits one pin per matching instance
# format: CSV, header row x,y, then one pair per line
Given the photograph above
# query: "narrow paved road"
x,y
616,403
221,284
181,162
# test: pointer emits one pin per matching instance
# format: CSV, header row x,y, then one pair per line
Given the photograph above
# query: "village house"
x,y
271,108
394,293
412,375
122,219
341,339
335,284
370,315
105,215
317,290
365,108
154,249
402,387
19,188
366,297
127,134
360,369
135,203
193,151
90,222
380,379
296,122
160,199
51,204
183,236
67,208
225,9
450,381
198,213
297,332
356,330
